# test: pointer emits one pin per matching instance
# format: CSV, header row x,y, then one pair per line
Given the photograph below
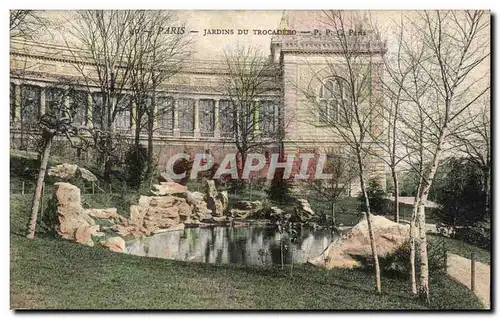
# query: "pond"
x,y
231,245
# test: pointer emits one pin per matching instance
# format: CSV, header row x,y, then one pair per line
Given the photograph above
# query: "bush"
x,y
397,264
279,191
462,196
379,204
136,165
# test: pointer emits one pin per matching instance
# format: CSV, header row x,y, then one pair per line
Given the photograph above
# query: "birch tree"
x,y
345,106
449,74
157,56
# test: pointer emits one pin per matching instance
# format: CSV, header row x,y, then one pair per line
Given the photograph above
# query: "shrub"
x,y
136,165
379,204
463,198
279,191
397,264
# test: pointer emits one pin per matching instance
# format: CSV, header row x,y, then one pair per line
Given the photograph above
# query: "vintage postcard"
x,y
250,160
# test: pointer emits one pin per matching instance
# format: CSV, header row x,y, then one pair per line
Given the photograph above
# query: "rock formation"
x,y
67,171
389,236
73,222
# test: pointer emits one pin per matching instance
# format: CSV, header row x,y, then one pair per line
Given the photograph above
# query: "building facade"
x,y
195,114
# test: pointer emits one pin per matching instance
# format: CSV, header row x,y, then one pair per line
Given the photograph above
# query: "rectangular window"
x,y
165,114
54,100
226,118
78,105
186,117
207,120
122,119
30,104
267,116
99,112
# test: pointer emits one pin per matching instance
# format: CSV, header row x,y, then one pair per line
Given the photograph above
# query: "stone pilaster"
x,y
89,109
42,101
216,119
177,131
196,118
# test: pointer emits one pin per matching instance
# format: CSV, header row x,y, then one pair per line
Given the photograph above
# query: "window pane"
x,y
99,113
226,118
267,117
186,117
54,99
207,117
78,104
165,107
122,120
30,104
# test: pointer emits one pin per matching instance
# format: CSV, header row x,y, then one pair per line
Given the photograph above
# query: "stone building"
x,y
197,118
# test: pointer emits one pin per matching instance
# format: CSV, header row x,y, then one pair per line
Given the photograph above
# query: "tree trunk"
x,y
423,195
151,119
413,233
39,184
424,263
396,194
333,213
370,232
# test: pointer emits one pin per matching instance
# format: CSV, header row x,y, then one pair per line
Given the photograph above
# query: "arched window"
x,y
334,101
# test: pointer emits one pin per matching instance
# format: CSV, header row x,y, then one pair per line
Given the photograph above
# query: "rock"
x,y
86,175
239,213
210,190
66,171
116,244
168,188
389,236
303,210
70,214
276,211
248,205
84,233
177,227
103,213
63,171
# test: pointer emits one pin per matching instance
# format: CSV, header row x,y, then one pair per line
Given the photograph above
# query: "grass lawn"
x,y
49,273
463,249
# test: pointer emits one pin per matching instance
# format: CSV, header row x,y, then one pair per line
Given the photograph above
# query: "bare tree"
x,y
157,55
57,120
474,139
250,77
100,43
346,105
447,77
26,24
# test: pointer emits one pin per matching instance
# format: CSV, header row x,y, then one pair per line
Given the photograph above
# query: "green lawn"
x,y
460,248
50,273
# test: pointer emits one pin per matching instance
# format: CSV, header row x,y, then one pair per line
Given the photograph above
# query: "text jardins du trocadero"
x,y
205,32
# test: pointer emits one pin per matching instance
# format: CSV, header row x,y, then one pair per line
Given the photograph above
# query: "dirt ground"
x,y
459,268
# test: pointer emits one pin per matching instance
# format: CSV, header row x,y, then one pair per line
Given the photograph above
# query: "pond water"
x,y
230,245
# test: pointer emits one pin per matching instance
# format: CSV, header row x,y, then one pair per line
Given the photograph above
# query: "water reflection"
x,y
248,245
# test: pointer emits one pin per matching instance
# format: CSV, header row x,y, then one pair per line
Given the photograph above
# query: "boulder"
x,y
102,213
248,205
86,175
84,233
389,236
70,214
66,171
116,244
63,171
168,188
303,210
